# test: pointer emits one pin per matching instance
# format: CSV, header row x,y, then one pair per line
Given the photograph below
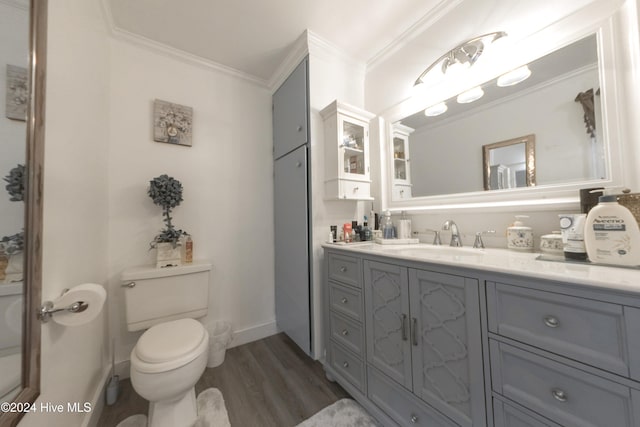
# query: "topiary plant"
x,y
15,188
166,192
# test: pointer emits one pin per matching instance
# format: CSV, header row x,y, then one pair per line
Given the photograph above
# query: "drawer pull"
x,y
344,300
551,321
414,419
559,395
345,332
345,365
405,335
343,269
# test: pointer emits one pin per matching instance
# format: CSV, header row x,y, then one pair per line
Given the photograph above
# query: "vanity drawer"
x,y
354,189
505,415
347,365
347,332
589,331
345,300
401,405
345,269
564,394
400,192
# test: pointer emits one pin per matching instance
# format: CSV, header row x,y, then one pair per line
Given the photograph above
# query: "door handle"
x,y
404,327
414,331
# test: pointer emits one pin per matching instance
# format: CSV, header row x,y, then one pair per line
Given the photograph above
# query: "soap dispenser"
x,y
520,236
612,234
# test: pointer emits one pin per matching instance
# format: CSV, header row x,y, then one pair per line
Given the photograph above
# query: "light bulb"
x,y
470,95
514,77
435,110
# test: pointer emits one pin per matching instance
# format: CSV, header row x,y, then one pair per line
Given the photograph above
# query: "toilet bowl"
x,y
171,355
166,363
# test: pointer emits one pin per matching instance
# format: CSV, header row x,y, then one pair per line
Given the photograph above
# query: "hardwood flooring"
x,y
266,383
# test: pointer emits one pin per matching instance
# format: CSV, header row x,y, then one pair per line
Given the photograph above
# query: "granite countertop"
x,y
506,261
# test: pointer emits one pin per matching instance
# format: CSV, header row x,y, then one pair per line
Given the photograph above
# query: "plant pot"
x,y
168,255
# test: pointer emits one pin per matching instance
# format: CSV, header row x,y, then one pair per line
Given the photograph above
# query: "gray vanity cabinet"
x,y
423,331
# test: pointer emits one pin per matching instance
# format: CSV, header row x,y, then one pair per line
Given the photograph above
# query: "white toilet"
x,y
171,355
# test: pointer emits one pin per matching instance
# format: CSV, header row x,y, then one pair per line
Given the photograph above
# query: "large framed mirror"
x,y
22,64
570,102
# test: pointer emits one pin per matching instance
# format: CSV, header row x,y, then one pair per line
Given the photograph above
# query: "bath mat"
x,y
211,412
343,413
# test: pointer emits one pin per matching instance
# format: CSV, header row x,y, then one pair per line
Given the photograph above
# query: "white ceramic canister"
x,y
520,236
552,244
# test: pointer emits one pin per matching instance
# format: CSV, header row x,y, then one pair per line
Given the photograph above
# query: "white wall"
x,y
14,50
73,360
227,176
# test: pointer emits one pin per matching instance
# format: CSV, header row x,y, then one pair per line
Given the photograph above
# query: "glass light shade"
x,y
470,95
514,77
435,110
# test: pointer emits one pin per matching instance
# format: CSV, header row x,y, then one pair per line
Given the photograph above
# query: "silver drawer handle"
x,y
129,285
414,419
344,300
345,365
343,269
559,395
345,332
551,321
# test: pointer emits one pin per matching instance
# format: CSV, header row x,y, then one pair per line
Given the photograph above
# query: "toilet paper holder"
x,y
48,310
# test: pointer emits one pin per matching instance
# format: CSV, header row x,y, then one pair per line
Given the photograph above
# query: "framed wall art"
x,y
172,123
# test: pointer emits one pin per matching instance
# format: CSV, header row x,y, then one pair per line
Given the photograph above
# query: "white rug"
x,y
211,412
343,413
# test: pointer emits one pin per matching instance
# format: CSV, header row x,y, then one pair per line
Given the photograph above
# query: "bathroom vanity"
x,y
440,336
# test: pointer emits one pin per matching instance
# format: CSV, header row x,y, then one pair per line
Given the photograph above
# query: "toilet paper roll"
x,y
90,293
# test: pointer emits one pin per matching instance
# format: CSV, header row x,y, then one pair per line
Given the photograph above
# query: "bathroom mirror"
x,y
566,150
510,164
22,67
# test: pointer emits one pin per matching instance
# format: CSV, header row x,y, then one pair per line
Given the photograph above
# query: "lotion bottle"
x,y
612,235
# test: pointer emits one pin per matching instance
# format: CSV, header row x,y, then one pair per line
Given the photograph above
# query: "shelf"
x,y
353,150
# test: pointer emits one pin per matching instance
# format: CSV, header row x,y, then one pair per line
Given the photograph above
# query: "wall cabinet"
x,y
347,169
433,345
401,162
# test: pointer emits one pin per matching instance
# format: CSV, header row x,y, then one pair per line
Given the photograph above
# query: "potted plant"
x,y
166,192
13,246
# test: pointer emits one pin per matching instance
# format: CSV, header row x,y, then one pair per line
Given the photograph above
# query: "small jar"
x,y
552,244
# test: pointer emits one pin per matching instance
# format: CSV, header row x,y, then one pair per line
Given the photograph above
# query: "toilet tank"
x,y
155,295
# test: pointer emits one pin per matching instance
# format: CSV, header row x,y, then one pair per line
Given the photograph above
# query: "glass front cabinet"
x,y
401,162
347,170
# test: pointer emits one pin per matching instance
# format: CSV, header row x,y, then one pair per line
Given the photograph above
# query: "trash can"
x,y
219,338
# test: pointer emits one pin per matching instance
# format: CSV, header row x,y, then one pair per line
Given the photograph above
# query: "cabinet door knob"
x,y
299,128
298,164
344,300
559,395
345,332
355,189
414,419
345,365
343,269
551,321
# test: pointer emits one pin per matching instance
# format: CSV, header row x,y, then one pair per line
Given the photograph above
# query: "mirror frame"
x,y
581,23
529,157
33,211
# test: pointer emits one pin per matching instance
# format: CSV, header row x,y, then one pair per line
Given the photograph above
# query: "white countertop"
x,y
506,261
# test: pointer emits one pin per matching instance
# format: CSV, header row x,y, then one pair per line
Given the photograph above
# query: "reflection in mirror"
x,y
509,164
14,62
559,103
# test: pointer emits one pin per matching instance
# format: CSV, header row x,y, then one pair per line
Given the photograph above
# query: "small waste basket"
x,y
219,338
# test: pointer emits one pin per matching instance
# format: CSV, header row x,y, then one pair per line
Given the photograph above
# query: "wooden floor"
x,y
265,383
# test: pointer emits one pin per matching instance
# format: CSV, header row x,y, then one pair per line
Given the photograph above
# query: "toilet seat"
x,y
169,345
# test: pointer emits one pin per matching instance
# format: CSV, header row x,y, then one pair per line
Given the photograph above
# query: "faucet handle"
x,y
479,244
436,235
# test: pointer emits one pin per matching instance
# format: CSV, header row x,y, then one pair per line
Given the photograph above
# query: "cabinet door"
x,y
290,112
354,146
446,343
387,310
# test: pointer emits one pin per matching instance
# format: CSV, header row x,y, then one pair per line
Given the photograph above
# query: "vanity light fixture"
x,y
471,95
436,110
462,56
514,77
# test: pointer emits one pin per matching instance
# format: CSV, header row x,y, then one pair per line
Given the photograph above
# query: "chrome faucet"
x,y
456,240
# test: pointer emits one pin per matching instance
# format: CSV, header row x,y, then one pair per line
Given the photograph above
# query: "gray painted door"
x,y
386,295
292,247
447,351
290,112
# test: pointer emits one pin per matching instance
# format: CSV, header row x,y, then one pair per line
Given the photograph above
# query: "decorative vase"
x,y
168,255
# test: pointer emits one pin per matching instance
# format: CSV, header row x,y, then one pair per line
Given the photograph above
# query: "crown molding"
x,y
323,48
22,5
178,54
430,18
297,53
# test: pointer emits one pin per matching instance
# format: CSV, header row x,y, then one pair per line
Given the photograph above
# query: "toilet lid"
x,y
170,340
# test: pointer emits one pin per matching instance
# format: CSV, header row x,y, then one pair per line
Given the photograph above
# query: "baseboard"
x,y
254,333
97,400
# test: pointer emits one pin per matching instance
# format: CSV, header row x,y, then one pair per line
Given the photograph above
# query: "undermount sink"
x,y
434,250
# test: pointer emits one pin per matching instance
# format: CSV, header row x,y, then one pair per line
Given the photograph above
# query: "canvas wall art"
x,y
172,123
